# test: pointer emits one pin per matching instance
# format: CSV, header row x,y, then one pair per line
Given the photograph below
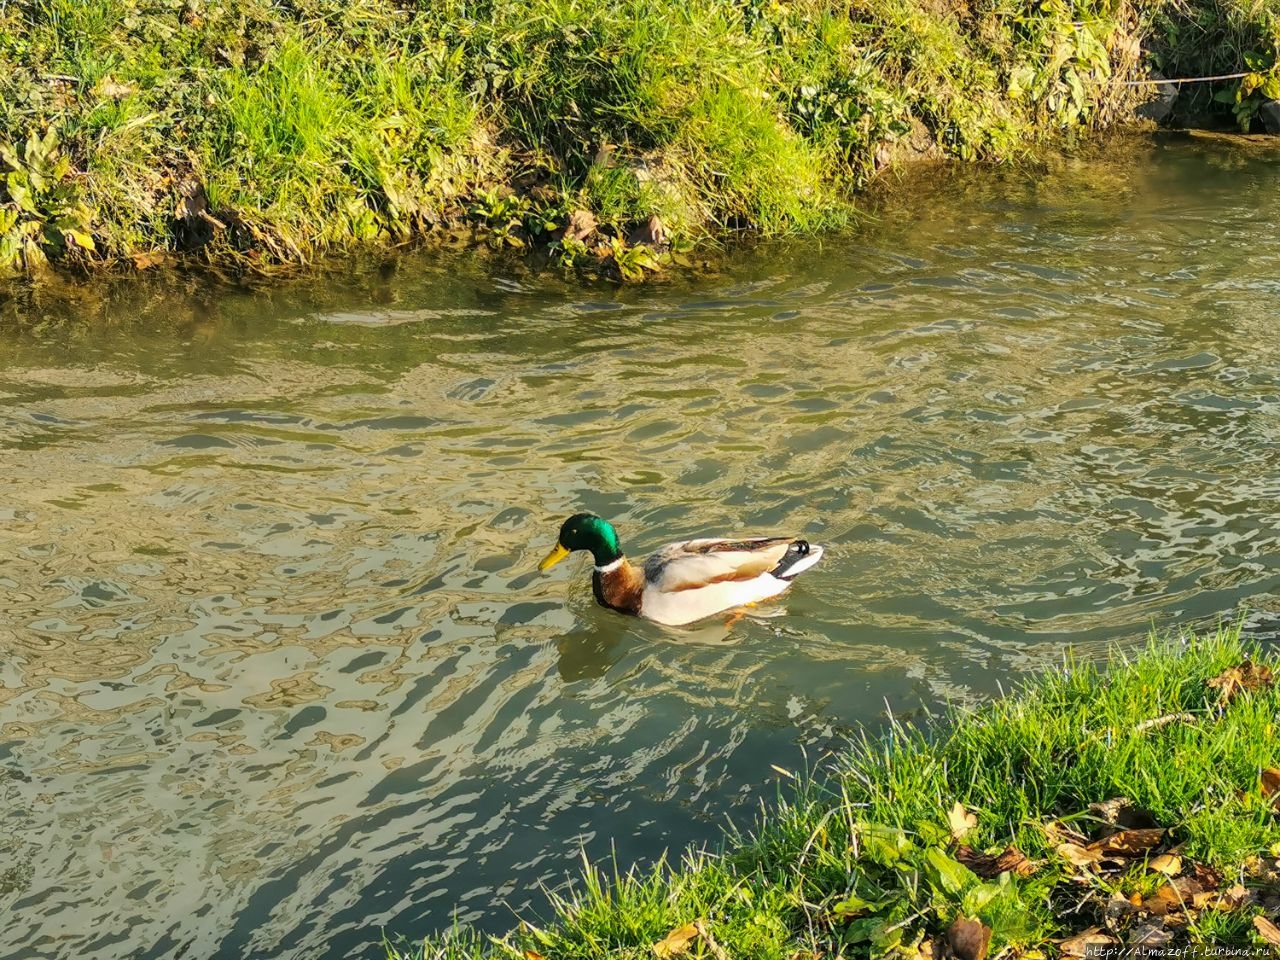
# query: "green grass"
x,y
860,859
313,125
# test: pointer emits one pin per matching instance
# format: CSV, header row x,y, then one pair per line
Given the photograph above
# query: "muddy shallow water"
x,y
276,667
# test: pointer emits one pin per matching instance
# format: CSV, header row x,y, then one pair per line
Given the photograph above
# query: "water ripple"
x,y
277,669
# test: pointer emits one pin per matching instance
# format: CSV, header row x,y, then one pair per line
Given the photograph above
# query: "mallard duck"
x,y
687,581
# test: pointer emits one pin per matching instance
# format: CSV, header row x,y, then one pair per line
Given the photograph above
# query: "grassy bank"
x,y
1136,805
261,132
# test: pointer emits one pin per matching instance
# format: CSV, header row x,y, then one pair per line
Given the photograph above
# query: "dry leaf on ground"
x,y
969,938
581,225
1057,833
1234,680
1149,935
676,942
533,955
1208,877
1268,930
961,820
1128,843
988,866
1233,898
1177,895
1271,783
1170,864
1078,946
1015,860
1120,906
1077,855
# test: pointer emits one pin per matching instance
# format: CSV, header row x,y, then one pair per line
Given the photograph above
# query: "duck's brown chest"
x,y
619,589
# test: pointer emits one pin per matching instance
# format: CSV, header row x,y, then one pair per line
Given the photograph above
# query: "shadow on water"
x,y
276,668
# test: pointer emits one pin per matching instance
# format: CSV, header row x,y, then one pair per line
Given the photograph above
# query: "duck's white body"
x,y
695,579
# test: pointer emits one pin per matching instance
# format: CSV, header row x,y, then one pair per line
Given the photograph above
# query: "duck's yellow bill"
x,y
557,554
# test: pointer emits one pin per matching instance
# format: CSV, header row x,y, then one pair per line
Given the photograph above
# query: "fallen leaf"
x,y
1128,843
1120,906
581,225
1176,895
1016,861
989,866
145,261
115,90
961,821
651,233
969,938
805,955
1234,680
1057,833
1079,945
1078,855
1270,781
1208,877
192,201
1232,899
533,955
676,942
1269,931
1149,935
1170,864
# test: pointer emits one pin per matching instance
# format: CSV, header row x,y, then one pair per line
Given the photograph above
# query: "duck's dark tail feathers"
x,y
800,556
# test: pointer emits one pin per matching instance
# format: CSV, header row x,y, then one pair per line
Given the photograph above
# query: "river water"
x,y
277,671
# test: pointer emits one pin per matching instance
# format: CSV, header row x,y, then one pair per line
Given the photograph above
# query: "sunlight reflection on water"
x,y
277,670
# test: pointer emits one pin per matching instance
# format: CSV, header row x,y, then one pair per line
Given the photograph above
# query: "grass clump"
x,y
1091,808
263,132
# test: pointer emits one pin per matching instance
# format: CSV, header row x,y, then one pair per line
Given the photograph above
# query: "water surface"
x,y
275,668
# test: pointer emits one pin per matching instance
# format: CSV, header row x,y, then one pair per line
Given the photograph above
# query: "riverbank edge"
x,y
1097,806
613,137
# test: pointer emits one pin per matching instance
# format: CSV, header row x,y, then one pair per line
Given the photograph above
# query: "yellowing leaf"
x,y
961,821
533,955
1078,855
81,239
1170,864
676,942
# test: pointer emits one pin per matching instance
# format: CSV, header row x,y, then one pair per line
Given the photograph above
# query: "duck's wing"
x,y
699,563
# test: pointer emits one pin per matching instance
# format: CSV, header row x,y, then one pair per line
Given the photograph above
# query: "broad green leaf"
x,y
946,874
852,907
883,845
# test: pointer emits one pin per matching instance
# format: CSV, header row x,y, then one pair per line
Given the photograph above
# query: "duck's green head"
x,y
584,531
